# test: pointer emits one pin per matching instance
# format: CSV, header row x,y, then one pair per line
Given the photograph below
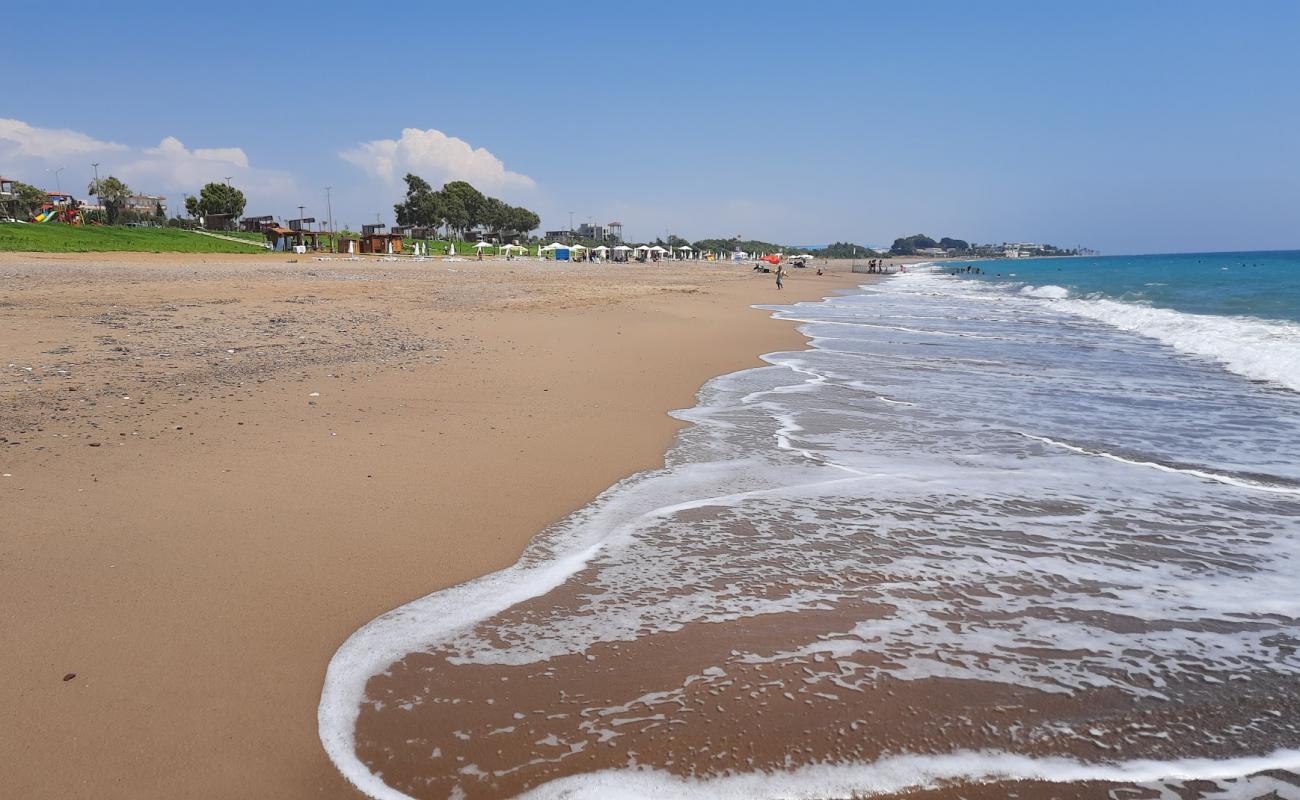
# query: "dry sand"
x,y
218,467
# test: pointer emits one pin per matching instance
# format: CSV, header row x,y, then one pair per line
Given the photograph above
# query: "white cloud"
x,y
175,165
20,142
169,168
436,157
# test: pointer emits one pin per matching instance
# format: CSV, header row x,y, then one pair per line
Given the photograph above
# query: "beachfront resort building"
x,y
145,203
611,232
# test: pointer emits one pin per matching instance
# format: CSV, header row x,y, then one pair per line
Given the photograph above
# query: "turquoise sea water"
x,y
1238,310
1255,284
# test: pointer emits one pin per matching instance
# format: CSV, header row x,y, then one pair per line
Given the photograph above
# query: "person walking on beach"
x,y
780,276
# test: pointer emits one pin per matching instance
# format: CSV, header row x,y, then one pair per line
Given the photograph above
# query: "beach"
x,y
975,539
216,468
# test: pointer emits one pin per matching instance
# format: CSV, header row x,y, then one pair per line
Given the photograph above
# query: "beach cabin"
x,y
381,243
278,238
349,245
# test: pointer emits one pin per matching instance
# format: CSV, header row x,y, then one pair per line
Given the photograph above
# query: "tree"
x,y
908,245
848,250
422,206
460,206
112,195
954,244
158,212
523,221
220,198
471,200
454,213
192,206
496,215
30,199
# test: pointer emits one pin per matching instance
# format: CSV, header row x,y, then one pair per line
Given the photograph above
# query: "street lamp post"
x,y
329,216
95,166
58,186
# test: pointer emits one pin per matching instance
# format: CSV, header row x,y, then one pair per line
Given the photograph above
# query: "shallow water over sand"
x,y
964,538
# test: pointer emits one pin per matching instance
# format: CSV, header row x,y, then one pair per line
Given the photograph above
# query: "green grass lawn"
x,y
56,238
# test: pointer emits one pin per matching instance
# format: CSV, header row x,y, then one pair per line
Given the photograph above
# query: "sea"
x,y
1030,529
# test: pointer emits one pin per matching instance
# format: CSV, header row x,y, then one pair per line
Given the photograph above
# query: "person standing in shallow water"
x,y
780,276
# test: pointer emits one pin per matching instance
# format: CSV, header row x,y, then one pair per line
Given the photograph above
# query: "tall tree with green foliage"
x,y
422,205
454,213
220,198
523,221
30,199
460,207
112,195
471,200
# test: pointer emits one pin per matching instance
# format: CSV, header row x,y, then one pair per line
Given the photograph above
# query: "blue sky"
x,y
1125,126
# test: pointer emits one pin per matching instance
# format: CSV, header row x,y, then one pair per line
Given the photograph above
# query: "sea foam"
x,y
952,485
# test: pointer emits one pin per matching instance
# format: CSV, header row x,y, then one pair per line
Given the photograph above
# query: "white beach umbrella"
x,y
577,247
601,249
658,249
622,248
481,245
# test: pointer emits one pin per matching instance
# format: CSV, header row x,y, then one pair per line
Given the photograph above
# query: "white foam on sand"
x,y
999,443
896,774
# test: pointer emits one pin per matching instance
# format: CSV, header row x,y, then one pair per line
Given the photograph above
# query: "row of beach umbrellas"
x,y
553,246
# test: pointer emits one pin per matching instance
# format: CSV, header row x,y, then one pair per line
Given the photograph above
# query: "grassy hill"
x,y
56,238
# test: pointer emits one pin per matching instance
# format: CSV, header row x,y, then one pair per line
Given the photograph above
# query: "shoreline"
x,y
198,582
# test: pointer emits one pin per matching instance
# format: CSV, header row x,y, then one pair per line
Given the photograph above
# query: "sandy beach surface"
x,y
216,468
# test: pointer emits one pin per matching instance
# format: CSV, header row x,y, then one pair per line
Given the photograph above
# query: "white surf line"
x,y
899,328
372,649
899,773
1209,476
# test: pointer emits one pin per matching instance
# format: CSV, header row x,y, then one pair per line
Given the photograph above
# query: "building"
x,y
611,232
8,199
286,239
380,243
600,233
255,224
217,222
145,203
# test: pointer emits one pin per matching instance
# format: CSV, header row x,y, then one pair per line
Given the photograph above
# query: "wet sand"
x,y
218,467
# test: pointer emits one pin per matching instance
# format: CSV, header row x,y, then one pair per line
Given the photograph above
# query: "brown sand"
x,y
192,530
